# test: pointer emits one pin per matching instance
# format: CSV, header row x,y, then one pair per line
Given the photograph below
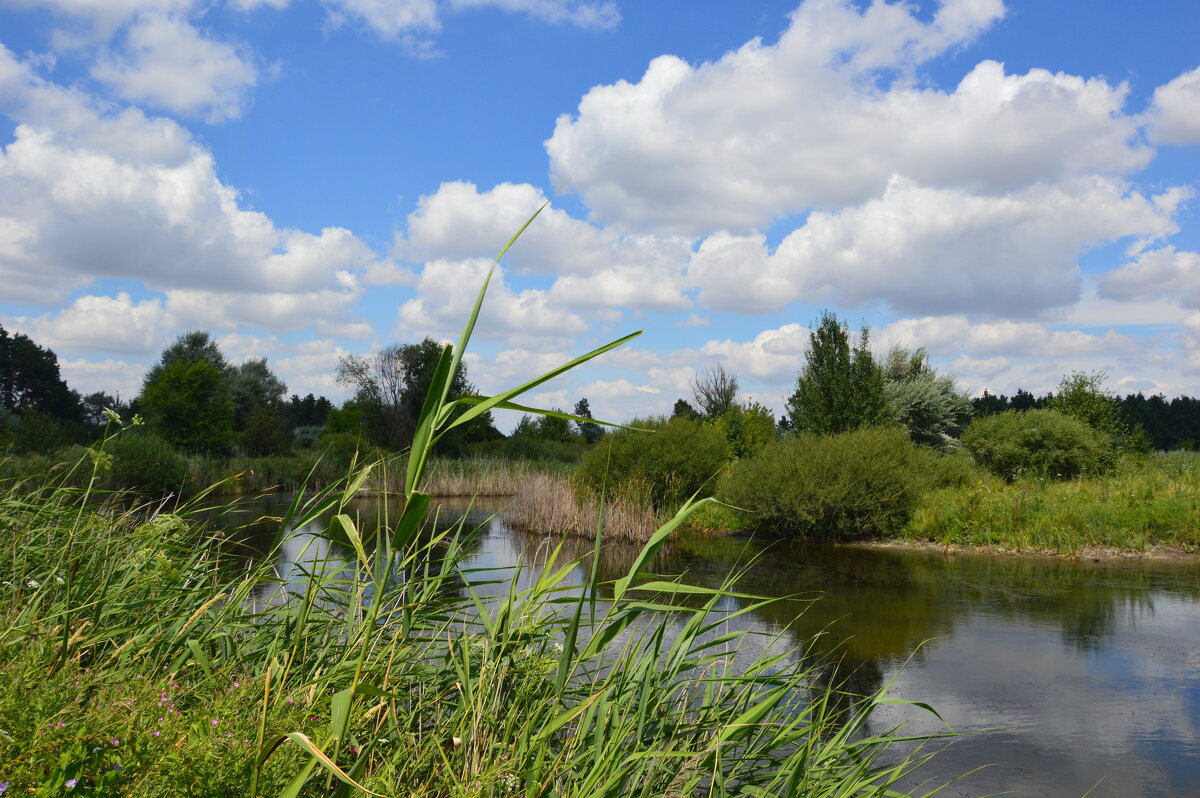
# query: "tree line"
x,y
201,403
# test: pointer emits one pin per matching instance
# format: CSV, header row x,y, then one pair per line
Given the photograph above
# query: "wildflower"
x,y
34,583
59,579
70,783
157,733
3,787
117,767
215,721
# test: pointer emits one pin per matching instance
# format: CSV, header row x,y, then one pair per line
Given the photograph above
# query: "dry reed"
x,y
547,504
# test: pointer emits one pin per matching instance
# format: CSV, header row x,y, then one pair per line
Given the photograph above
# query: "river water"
x,y
1065,677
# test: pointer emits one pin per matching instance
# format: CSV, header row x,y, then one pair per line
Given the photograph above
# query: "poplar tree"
x,y
841,386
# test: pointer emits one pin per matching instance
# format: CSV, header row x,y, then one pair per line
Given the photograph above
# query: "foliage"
x,y
927,404
1144,503
145,463
684,408
746,427
187,403
35,431
187,348
1035,443
390,387
670,461
858,484
1082,396
30,380
589,431
715,392
840,387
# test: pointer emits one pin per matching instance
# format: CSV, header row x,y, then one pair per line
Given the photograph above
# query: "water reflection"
x,y
1093,668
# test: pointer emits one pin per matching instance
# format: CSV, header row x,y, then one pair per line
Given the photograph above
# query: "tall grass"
x,y
144,661
1144,503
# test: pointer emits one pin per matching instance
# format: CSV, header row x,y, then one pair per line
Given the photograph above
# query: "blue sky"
x,y
1009,184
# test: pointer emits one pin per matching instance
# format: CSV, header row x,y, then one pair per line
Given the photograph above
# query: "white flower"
x,y
59,579
34,583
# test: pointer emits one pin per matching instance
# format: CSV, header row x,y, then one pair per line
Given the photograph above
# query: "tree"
x,y
588,431
1083,397
391,386
186,395
840,387
683,409
30,380
188,404
715,391
190,346
747,427
927,404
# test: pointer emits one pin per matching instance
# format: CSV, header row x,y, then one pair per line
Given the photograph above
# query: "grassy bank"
x,y
1146,502
140,660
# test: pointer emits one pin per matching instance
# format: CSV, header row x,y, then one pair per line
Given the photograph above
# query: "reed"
x,y
549,504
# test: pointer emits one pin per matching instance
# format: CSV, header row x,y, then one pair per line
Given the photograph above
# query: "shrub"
x,y
1044,443
857,484
674,459
146,463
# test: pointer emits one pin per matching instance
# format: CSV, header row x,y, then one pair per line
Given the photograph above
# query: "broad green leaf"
x,y
339,712
351,532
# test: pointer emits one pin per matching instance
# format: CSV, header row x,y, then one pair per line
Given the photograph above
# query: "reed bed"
x,y
485,476
548,504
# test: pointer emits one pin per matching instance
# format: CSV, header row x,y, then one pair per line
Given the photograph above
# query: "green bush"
x,y
1038,443
144,462
674,459
863,483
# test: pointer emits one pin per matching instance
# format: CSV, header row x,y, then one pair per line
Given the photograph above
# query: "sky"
x,y
1011,185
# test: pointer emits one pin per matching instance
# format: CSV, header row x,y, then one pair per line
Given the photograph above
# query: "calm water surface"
x,y
1088,673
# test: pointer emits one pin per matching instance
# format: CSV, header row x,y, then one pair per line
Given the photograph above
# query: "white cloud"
x,y
602,15
1174,116
115,377
168,63
447,290
102,324
150,206
773,355
693,320
1156,273
769,130
980,367
932,251
597,268
274,311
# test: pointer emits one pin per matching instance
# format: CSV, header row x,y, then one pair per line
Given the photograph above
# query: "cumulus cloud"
x,y
774,355
769,130
166,62
926,250
597,268
947,335
114,377
1163,272
80,209
102,324
446,292
1174,116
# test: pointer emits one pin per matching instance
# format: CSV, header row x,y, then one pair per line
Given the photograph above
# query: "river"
x,y
1063,677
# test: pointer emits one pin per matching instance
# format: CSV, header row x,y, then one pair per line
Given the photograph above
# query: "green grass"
x,y
1147,502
